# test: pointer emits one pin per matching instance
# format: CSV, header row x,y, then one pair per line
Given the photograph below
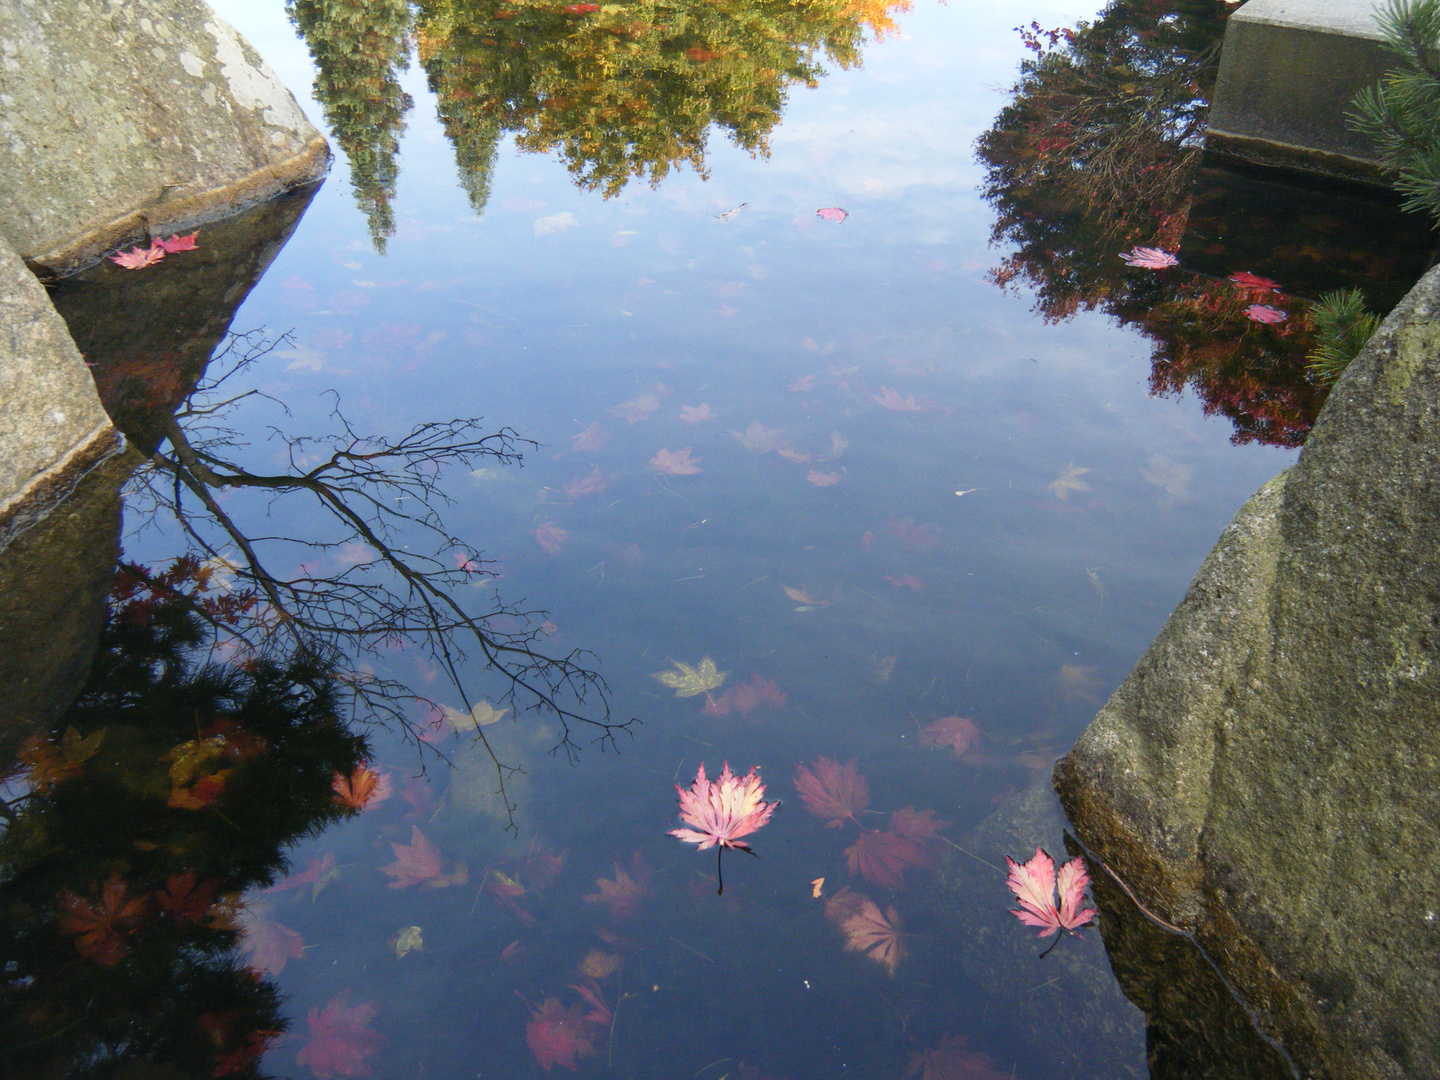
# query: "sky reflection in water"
x,y
913,500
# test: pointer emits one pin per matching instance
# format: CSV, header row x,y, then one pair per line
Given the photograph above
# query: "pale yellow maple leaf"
x,y
409,940
1068,481
800,596
759,439
688,681
481,715
1168,476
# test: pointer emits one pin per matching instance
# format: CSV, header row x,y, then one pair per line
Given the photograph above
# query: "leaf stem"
x,y
719,874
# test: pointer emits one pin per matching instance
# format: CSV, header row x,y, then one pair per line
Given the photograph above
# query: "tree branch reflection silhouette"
x,y
365,564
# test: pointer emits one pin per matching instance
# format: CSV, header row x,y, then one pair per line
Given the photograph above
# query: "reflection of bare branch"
x,y
382,494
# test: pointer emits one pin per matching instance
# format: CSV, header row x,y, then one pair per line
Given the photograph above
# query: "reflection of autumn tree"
x,y
171,785
1096,152
619,90
367,565
359,47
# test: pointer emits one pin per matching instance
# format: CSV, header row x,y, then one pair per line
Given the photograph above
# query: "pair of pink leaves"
x,y
138,257
1036,885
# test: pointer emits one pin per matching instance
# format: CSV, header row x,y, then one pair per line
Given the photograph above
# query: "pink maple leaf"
x,y
1036,884
340,1039
1149,258
137,257
551,537
722,810
832,213
178,243
1264,313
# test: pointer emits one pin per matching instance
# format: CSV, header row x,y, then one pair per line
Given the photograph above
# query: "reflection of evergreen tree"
x,y
1096,152
625,91
170,787
359,47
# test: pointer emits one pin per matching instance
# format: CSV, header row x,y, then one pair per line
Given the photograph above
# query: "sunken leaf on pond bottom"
x,y
866,929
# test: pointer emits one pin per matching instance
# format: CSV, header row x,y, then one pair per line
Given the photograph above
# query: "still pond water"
x,y
808,489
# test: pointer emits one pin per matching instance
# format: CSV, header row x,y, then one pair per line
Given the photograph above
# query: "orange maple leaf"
x,y
833,791
883,857
363,787
98,925
866,930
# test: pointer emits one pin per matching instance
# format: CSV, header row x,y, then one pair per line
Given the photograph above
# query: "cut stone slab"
x,y
1289,70
119,121
1265,778
55,429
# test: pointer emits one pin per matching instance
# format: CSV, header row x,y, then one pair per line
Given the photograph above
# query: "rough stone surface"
x,y
55,428
53,582
119,120
1289,70
1266,776
149,334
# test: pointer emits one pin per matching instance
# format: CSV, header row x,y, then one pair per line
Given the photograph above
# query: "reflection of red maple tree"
x,y
340,1039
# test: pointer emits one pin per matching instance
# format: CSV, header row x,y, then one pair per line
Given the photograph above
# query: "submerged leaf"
x,y
1068,481
669,462
866,930
557,1035
340,1040
957,732
833,791
951,1061
882,857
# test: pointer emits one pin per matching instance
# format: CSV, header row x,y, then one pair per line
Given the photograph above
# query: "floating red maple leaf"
x,y
178,243
722,810
883,857
951,1061
957,732
866,930
363,787
744,698
833,791
1265,313
1253,283
1035,884
98,925
137,257
340,1040
557,1035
